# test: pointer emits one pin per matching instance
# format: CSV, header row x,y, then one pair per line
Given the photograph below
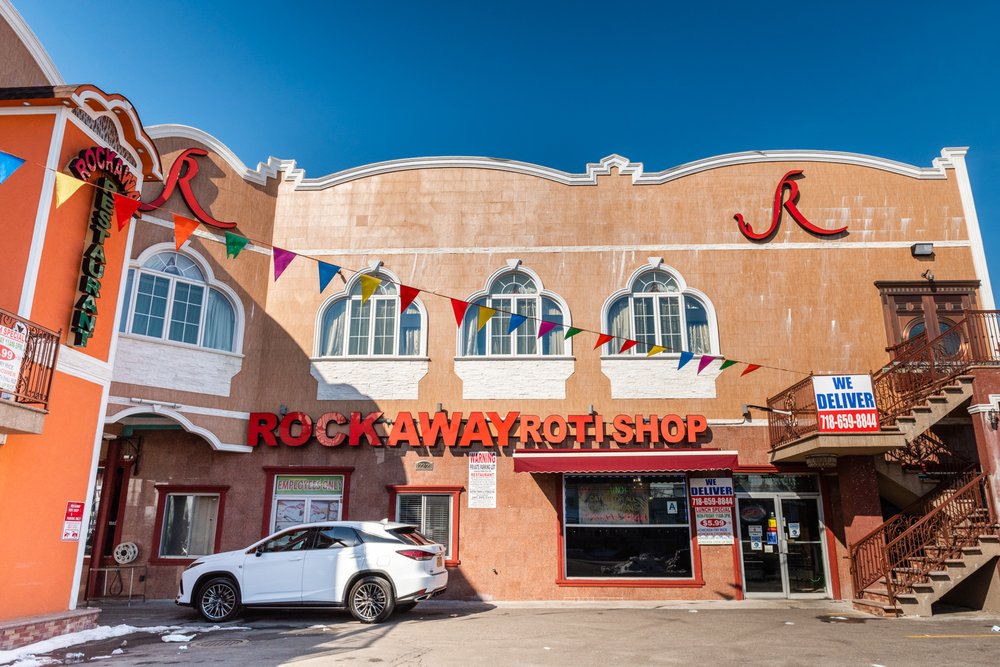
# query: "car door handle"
x,y
292,560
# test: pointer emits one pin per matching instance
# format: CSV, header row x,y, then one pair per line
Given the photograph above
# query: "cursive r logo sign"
x,y
789,205
176,178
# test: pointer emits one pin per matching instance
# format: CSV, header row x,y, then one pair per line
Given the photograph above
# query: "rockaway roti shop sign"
x,y
487,429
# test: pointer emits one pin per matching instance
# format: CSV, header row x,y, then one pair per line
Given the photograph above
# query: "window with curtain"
x,y
657,312
514,293
374,328
169,298
430,513
189,525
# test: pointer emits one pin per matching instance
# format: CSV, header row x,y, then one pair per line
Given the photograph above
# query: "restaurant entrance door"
x,y
782,545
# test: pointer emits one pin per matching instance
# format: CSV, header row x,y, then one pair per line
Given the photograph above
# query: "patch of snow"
x,y
175,637
72,639
118,651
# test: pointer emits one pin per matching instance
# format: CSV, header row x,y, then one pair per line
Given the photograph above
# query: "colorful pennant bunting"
x,y
282,258
406,296
183,229
546,327
8,165
515,321
66,187
235,243
327,272
572,331
459,307
656,349
749,369
628,345
705,360
368,286
125,208
603,339
484,316
685,357
726,363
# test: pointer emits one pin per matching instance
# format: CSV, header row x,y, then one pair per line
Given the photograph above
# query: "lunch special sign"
x,y
712,500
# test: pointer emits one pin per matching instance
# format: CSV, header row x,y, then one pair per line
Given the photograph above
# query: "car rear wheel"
x,y
371,600
218,600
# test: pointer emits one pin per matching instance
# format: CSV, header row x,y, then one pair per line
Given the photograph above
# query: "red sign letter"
x,y
262,424
789,204
185,159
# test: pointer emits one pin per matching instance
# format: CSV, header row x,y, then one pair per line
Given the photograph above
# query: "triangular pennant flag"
x,y
8,165
327,272
603,339
726,363
235,243
406,296
572,331
749,369
705,360
125,208
546,327
459,307
66,187
515,321
183,229
484,316
628,345
656,349
685,357
282,258
368,286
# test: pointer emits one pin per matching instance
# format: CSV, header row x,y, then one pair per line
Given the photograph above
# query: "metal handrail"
x,y
41,351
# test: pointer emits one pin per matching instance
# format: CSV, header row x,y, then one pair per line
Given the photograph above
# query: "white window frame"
x,y
656,264
423,514
470,319
136,269
353,301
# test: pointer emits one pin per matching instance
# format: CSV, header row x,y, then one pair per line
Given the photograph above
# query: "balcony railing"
x,y
38,360
920,368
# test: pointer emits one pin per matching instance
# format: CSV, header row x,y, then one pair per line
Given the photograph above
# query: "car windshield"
x,y
410,535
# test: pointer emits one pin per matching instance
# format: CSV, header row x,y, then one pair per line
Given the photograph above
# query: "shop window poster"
x,y
613,503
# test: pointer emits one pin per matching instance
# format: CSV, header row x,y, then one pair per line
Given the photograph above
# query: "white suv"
x,y
372,568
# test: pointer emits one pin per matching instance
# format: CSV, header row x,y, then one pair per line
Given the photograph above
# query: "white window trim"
x,y
423,504
345,294
211,282
656,264
514,266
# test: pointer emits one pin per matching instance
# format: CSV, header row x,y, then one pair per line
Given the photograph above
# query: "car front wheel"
x,y
219,600
371,600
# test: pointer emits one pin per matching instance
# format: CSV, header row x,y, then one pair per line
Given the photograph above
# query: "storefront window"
x,y
189,524
620,526
306,499
775,483
430,513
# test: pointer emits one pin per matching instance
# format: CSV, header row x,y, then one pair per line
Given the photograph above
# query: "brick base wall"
x,y
23,631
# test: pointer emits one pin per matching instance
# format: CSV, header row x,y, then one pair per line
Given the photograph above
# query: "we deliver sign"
x,y
845,403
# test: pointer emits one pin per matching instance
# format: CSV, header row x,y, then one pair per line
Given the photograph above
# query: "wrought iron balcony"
x,y
28,354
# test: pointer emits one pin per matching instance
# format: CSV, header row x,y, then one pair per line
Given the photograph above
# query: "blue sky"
x,y
339,84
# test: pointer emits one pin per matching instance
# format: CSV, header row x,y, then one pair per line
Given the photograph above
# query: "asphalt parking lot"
x,y
580,634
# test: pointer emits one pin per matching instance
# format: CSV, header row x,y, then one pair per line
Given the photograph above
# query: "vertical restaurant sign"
x,y
845,403
482,480
107,170
712,499
12,344
72,521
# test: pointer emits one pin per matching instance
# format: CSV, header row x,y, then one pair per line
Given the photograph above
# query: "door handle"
x,y
292,560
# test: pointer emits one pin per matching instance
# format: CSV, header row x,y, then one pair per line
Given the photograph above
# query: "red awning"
x,y
622,460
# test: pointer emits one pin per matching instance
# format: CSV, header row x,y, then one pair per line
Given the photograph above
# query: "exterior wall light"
x,y
993,416
922,249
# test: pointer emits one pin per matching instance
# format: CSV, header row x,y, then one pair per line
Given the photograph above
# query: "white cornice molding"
x,y
31,42
270,169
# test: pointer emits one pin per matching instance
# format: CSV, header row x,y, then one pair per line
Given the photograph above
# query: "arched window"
x,y
168,297
519,293
657,310
349,328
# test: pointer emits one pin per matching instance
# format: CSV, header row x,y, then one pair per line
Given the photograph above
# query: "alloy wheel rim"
x,y
218,601
370,600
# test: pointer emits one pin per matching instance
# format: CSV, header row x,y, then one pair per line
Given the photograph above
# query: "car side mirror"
x,y
258,551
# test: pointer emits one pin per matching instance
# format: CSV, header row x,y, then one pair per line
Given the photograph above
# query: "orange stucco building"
x,y
744,376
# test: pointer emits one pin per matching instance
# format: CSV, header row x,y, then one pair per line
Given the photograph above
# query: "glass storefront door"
x,y
781,545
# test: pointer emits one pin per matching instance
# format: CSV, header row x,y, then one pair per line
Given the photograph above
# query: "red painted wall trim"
x,y
455,492
737,558
162,491
831,540
274,471
697,580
